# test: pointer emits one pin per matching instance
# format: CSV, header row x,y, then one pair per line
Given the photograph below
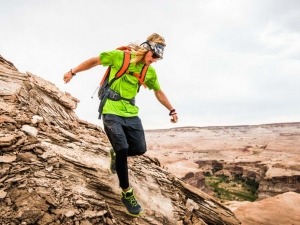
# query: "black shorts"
x,y
125,132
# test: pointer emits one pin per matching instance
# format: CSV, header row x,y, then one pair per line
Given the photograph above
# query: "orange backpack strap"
x,y
143,74
122,70
104,76
125,65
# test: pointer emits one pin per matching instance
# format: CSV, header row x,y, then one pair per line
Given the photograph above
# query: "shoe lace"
x,y
132,200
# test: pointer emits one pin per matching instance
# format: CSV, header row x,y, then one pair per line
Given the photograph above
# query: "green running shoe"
x,y
129,201
112,161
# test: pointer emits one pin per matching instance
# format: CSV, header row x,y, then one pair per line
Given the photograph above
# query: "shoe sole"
x,y
141,213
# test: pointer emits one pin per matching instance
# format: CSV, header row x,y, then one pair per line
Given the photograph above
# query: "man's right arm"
x,y
86,65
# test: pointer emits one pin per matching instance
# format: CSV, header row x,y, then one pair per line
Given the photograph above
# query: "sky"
x,y
227,62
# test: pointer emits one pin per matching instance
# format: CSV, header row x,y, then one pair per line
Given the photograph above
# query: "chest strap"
x,y
115,96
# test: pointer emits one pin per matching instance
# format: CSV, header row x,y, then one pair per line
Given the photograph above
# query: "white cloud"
x,y
226,62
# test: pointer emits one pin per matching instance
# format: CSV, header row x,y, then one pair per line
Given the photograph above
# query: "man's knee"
x,y
137,150
142,148
141,152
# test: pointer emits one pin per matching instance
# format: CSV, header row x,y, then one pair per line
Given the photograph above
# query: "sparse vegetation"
x,y
239,188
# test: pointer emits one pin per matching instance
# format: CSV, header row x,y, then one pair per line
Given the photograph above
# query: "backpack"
x,y
105,92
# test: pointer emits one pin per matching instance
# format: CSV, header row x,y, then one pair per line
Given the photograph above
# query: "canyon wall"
x,y
267,153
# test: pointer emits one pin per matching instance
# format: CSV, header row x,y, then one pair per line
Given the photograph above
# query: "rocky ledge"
x,y
54,167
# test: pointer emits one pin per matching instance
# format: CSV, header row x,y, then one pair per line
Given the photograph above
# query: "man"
x,y
120,117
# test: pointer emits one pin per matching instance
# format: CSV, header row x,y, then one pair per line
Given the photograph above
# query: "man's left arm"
x,y
162,98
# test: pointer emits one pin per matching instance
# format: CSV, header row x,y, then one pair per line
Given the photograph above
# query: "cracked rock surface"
x,y
54,167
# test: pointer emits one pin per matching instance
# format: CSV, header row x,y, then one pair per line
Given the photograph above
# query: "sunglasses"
x,y
155,55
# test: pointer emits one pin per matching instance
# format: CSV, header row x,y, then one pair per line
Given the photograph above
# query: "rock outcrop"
x,y
281,209
54,167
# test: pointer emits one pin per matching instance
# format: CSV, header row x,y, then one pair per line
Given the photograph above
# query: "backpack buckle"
x,y
112,95
115,96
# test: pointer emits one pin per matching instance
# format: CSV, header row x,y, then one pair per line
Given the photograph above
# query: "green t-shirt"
x,y
127,85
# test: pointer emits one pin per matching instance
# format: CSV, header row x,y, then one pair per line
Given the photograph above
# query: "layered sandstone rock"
x,y
54,167
282,209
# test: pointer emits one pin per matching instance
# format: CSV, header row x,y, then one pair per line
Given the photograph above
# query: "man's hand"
x,y
162,98
67,77
174,118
